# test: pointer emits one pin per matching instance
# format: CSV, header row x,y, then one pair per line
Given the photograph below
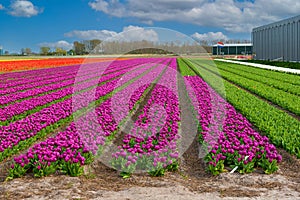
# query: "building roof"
x,y
279,23
235,45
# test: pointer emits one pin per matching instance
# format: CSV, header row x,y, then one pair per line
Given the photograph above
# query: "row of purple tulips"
x,y
75,146
227,136
82,83
40,122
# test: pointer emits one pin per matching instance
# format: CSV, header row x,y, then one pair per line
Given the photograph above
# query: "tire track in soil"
x,y
191,163
192,171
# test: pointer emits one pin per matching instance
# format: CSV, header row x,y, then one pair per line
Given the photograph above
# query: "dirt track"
x,y
190,182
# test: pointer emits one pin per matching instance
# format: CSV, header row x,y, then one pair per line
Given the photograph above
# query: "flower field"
x,y
21,65
128,114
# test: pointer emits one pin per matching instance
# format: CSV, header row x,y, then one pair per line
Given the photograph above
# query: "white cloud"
x,y
106,7
59,44
91,34
24,8
231,15
99,6
135,33
1,7
210,36
129,33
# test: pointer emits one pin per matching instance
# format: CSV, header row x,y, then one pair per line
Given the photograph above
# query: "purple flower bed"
x,y
35,76
28,77
6,113
28,127
41,82
71,148
151,144
59,81
230,139
31,75
95,128
16,78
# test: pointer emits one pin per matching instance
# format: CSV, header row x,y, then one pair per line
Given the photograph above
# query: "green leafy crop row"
x,y
287,87
283,99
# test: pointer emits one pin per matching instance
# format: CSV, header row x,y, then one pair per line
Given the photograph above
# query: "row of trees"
x,y
87,46
46,51
96,46
79,48
139,47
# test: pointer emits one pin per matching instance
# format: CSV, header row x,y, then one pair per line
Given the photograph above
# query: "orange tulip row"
x,y
22,65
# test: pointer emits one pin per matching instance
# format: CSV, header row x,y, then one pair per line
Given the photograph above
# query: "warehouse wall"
x,y
278,40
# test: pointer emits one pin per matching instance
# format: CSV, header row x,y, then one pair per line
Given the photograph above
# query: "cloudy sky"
x,y
57,23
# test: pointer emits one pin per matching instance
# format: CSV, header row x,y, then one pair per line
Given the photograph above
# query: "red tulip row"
x,y
21,65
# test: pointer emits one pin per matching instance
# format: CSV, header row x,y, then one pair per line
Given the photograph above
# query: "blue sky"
x,y
57,23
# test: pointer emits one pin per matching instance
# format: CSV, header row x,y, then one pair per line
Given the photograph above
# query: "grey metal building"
x,y
278,41
1,51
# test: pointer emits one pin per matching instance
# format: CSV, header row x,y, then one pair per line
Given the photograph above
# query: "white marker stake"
x,y
233,170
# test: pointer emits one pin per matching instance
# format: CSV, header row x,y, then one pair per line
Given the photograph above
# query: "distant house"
x,y
232,49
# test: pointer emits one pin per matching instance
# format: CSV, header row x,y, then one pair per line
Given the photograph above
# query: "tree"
x,y
94,43
26,51
60,51
45,50
95,46
71,52
79,48
92,46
